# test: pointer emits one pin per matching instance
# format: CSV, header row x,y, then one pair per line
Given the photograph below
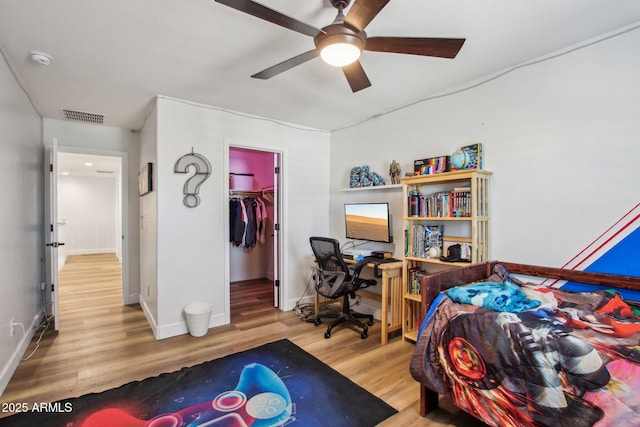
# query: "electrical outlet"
x,y
13,328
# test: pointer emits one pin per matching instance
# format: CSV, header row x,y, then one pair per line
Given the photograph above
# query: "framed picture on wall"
x,y
145,182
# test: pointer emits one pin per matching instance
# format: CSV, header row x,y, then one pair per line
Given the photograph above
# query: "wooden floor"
x,y
103,344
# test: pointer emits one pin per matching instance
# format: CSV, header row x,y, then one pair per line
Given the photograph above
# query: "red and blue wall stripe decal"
x,y
616,251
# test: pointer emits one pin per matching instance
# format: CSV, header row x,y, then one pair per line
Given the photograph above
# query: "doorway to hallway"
x,y
90,222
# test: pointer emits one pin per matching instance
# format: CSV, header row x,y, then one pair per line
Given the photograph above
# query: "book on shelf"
x,y
414,282
460,204
443,204
421,238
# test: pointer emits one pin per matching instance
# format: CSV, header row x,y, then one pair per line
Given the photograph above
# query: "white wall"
x,y
21,174
88,207
148,224
192,244
106,140
561,137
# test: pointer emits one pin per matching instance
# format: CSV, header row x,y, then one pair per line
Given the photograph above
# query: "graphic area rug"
x,y
276,384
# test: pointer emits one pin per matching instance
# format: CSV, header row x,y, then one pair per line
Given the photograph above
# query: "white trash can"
x,y
198,315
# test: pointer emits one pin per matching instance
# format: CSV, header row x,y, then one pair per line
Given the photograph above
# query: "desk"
x,y
390,298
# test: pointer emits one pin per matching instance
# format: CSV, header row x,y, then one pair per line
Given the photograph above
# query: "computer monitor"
x,y
368,221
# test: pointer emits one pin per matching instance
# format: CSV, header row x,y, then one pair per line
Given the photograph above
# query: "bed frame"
x,y
433,284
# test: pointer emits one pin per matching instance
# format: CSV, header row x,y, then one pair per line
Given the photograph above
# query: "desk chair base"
x,y
346,316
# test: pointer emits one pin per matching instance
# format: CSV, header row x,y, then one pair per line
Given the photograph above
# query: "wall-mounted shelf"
x,y
376,187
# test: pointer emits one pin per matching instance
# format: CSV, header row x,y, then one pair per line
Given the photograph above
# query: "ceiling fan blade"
x,y
270,15
363,11
286,65
356,76
438,47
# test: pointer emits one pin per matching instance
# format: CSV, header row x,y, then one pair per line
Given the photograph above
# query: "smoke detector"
x,y
41,58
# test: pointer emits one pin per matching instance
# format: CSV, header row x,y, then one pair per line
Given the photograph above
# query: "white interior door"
x,y
276,232
51,233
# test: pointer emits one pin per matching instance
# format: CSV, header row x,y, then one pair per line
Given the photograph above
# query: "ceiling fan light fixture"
x,y
340,54
339,45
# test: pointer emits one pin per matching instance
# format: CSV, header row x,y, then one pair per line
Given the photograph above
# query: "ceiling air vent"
x,y
81,116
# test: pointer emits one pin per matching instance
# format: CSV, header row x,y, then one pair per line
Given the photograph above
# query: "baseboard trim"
x,y
181,327
91,251
177,328
149,316
16,357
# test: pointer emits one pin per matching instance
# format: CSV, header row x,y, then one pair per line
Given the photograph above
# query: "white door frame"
x,y
277,237
124,209
51,301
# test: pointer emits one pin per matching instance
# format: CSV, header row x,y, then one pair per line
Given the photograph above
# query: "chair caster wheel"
x,y
370,323
364,334
317,322
327,334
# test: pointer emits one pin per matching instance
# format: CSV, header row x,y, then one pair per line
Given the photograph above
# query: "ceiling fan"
x,y
341,42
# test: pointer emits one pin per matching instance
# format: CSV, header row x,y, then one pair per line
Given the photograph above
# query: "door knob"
x,y
54,244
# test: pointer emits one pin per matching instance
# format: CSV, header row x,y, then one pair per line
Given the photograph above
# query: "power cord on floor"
x,y
306,311
46,322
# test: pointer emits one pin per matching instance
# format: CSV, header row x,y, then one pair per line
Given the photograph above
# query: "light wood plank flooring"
x,y
103,344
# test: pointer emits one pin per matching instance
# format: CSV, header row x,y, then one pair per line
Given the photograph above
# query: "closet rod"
x,y
245,193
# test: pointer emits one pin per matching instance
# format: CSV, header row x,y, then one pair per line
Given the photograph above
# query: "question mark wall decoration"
x,y
192,186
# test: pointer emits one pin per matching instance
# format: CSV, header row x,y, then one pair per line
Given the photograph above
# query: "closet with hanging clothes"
x,y
248,218
251,214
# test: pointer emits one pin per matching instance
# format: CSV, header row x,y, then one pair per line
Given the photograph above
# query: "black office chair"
x,y
335,280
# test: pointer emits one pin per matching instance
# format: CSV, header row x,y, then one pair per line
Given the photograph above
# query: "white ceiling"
x,y
113,57
88,165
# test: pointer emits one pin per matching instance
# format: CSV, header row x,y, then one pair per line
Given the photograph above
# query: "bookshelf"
x,y
441,210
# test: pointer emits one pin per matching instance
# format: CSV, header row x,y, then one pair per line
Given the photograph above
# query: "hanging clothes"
x,y
237,222
247,224
250,233
261,216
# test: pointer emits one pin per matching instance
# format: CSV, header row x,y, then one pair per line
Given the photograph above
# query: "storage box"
x,y
241,181
432,165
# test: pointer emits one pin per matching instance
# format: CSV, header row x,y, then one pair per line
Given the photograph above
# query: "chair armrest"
x,y
360,264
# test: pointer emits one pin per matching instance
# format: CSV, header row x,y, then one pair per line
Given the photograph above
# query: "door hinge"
x,y
276,227
276,170
50,167
51,228
277,283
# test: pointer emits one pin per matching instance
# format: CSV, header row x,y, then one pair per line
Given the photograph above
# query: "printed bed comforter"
x,y
515,354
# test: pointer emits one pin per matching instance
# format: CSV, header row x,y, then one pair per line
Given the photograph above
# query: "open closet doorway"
x,y
254,241
91,199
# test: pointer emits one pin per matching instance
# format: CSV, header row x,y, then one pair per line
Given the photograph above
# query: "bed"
x,y
513,351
